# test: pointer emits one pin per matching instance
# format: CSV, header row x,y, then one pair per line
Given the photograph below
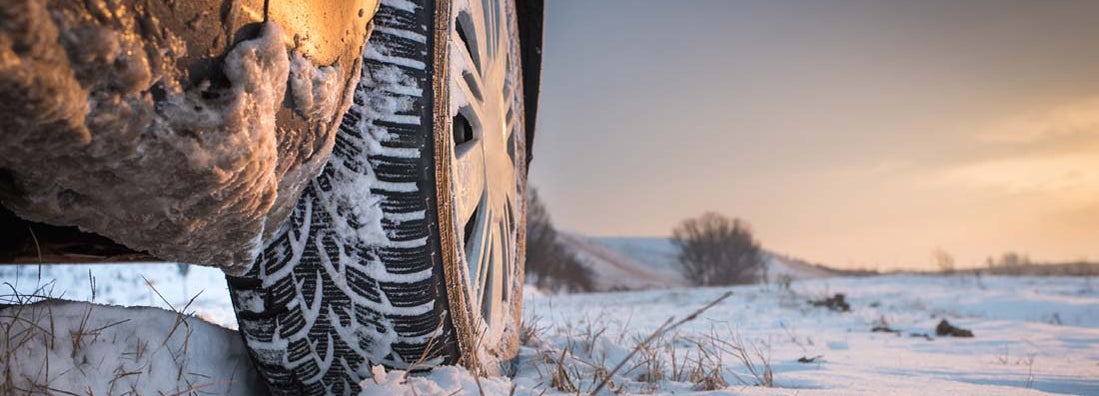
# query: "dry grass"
x,y
530,333
750,355
668,326
578,363
18,330
706,369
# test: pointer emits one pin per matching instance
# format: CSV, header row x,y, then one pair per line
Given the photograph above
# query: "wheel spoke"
x,y
487,258
469,174
466,68
476,16
476,249
476,111
509,127
492,287
492,24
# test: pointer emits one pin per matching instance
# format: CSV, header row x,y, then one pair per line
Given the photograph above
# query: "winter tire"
x,y
407,250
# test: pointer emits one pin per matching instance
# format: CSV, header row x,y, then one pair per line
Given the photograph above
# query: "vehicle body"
x,y
294,145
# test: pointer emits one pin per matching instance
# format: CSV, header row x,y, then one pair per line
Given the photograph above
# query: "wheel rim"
x,y
486,177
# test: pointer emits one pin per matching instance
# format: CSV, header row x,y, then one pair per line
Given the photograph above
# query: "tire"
x,y
372,266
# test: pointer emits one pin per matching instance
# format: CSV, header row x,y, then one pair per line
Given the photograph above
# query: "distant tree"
x,y
717,250
1012,259
1010,263
944,260
548,265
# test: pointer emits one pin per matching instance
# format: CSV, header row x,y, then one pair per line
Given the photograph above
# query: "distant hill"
x,y
1040,269
655,253
638,263
616,269
642,263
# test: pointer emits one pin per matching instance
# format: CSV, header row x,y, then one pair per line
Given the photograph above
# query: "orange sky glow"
x,y
859,134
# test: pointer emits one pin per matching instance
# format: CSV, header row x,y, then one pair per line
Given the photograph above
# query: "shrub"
x,y
718,250
944,260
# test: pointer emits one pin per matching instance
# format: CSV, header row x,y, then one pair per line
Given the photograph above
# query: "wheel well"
x,y
531,15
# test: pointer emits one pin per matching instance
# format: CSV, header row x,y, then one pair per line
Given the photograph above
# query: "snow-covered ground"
x,y
1031,335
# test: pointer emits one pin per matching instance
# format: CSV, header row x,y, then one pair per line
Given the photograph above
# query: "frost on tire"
x,y
351,279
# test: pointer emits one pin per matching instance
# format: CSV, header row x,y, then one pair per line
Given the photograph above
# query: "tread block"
x,y
416,325
363,285
410,294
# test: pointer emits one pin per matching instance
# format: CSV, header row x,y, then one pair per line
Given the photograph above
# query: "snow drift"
x,y
67,347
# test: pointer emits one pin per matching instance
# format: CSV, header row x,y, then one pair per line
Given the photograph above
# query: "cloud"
x,y
1072,119
1068,175
1054,150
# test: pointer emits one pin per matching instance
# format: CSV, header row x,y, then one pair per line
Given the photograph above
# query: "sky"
x,y
858,134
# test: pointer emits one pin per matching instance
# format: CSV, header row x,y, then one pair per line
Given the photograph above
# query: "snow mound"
x,y
67,347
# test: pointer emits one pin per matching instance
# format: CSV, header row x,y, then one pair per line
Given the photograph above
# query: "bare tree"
x,y
548,265
718,250
1010,263
944,260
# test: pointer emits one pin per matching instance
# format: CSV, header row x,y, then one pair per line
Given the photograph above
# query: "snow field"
x,y
1032,336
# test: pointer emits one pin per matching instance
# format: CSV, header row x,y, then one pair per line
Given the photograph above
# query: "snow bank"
x,y
66,347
